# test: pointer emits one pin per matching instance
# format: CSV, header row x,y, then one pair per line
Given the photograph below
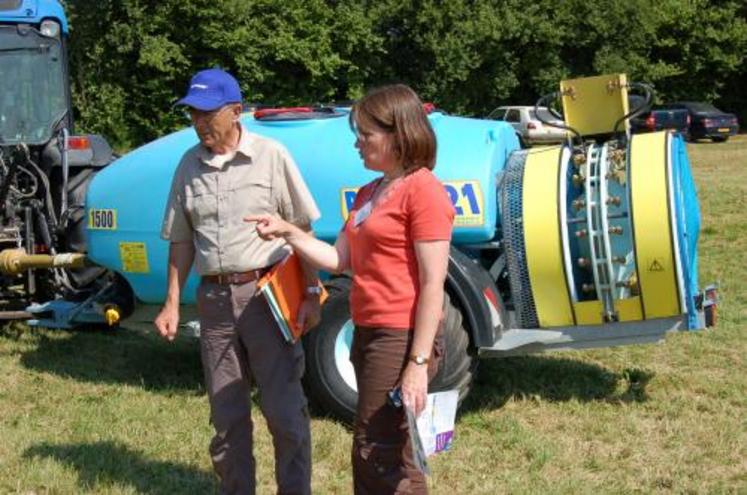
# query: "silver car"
x,y
529,128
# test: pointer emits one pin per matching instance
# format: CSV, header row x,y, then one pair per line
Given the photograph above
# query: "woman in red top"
x,y
395,243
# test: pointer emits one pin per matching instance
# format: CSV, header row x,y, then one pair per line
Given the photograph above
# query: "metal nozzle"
x,y
614,200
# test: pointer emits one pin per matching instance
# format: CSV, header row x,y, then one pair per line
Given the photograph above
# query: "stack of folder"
x,y
284,288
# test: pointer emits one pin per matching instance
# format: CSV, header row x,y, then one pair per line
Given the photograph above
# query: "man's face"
x,y
215,127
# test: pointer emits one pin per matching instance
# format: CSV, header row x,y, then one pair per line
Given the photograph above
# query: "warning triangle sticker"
x,y
655,266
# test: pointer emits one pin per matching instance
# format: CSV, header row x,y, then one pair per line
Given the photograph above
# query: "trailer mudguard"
x,y
474,291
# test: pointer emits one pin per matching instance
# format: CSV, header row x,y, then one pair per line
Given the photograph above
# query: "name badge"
x,y
362,214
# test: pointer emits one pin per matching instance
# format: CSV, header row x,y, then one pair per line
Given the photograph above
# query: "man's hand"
x,y
167,321
309,313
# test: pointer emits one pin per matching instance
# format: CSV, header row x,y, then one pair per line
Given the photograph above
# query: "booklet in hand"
x,y
284,288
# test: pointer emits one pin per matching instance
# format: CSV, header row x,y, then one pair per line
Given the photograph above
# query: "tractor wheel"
x,y
459,364
330,378
75,235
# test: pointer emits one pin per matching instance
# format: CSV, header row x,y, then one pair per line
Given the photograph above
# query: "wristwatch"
x,y
314,289
418,359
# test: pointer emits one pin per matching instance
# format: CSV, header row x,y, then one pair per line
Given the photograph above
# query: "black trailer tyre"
x,y
720,139
459,362
330,378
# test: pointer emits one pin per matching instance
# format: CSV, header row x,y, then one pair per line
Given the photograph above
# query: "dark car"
x,y
658,119
707,121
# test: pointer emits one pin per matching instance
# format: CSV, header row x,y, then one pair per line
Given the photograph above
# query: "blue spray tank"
x,y
471,155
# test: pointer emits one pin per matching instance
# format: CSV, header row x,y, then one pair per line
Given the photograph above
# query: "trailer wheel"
x,y
459,363
330,378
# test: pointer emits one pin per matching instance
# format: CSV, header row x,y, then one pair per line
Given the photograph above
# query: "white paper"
x,y
436,423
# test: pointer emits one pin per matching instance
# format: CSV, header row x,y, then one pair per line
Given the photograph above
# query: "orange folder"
x,y
284,288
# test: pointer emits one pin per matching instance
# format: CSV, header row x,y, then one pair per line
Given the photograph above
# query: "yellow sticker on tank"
x,y
465,195
134,257
102,219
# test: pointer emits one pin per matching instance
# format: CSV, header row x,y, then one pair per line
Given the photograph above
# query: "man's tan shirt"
x,y
211,194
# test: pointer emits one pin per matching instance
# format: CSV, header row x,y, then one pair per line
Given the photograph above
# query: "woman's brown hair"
x,y
397,109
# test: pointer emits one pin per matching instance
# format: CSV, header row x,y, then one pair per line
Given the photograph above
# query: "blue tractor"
x,y
45,169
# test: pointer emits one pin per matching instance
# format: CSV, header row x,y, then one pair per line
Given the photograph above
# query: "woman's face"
x,y
376,148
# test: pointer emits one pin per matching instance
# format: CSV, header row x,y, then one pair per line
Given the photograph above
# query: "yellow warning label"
x,y
134,257
655,266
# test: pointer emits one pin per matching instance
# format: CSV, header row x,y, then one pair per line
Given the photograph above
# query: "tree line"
x,y
131,59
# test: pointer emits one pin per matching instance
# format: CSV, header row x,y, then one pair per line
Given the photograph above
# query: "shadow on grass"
x,y
552,379
106,463
120,357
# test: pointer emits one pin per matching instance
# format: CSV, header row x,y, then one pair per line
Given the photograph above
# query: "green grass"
x,y
126,413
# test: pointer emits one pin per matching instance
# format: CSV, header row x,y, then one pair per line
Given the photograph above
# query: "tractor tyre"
x,y
75,235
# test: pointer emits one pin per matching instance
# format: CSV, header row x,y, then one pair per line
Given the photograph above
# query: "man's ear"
x,y
236,111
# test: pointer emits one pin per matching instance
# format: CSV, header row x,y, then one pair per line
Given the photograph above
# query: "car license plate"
x,y
723,129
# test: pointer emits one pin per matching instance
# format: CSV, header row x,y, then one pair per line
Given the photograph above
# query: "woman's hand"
x,y
270,227
415,387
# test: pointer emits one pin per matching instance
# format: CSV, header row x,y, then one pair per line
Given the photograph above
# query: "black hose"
x,y
544,102
648,91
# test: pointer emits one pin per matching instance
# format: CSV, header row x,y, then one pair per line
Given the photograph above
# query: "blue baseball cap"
x,y
211,89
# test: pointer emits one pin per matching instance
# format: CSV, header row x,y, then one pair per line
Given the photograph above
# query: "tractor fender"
x,y
474,292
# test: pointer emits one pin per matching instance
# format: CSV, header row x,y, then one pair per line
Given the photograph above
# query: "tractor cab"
x,y
35,100
45,169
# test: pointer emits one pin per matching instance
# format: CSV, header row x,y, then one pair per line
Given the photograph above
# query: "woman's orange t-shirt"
x,y
382,250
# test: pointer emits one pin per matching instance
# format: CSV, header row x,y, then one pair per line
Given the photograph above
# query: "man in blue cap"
x,y
230,174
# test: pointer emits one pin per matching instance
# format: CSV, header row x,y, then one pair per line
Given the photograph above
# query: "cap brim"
x,y
200,103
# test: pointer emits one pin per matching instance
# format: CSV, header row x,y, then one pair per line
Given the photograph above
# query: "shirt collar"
x,y
219,160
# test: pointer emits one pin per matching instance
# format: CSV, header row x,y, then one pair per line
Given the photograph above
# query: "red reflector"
x,y
429,107
267,112
531,125
688,120
651,122
78,143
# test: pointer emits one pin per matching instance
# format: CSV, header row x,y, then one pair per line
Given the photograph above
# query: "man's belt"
x,y
235,278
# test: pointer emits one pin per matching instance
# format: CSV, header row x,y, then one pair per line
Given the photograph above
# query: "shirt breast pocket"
x,y
252,198
202,205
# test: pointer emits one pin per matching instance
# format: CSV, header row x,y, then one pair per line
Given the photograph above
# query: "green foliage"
x,y
131,59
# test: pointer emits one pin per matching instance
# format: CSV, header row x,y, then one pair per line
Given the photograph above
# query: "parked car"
x,y
528,126
659,118
707,121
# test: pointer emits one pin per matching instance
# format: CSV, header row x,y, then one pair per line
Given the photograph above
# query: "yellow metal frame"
x,y
657,276
542,239
592,105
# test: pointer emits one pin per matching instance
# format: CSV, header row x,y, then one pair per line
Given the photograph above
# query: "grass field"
x,y
125,413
